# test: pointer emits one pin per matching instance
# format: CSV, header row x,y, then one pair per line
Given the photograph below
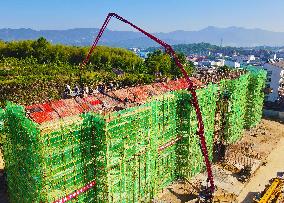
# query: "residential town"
x,y
271,61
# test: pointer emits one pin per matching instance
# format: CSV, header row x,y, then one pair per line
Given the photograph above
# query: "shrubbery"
x,y
32,71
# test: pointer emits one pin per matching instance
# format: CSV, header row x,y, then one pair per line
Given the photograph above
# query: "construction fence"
x,y
130,154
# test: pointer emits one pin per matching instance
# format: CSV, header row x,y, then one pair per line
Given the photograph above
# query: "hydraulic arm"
x,y
191,86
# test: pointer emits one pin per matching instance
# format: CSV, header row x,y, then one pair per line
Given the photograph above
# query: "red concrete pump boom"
x,y
191,87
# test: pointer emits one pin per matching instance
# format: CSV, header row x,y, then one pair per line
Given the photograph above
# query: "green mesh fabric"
x,y
255,96
132,154
235,92
189,146
2,116
45,163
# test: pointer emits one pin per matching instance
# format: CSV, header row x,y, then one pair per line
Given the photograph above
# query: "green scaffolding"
x,y
255,96
45,163
2,136
233,93
131,154
190,158
136,169
2,116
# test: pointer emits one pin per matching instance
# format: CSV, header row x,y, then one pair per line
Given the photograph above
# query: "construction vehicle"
x,y
273,193
191,89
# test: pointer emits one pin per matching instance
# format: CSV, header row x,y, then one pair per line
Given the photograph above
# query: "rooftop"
x,y
103,103
116,100
279,64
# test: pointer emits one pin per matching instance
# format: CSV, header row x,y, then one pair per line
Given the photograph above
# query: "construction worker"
x,y
76,90
101,88
67,91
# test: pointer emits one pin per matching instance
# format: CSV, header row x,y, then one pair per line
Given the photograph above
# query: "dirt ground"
x,y
271,167
261,147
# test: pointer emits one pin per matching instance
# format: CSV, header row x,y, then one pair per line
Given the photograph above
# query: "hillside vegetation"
x,y
35,71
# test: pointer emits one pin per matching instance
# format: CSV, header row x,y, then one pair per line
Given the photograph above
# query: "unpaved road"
x,y
273,165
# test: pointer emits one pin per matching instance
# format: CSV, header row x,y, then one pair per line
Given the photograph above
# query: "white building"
x,y
218,63
251,58
205,63
208,63
232,64
275,79
243,59
135,50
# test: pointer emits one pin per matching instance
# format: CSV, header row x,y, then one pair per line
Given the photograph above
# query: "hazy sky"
x,y
153,15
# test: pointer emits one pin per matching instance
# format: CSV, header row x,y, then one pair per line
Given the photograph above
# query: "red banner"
x,y
170,143
76,193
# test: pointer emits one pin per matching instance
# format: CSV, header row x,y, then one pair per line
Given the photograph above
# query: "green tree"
x,y
187,65
158,63
40,49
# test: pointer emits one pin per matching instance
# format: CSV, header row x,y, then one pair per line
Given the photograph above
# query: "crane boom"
x,y
191,86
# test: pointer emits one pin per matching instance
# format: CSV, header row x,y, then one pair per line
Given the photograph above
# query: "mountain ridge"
x,y
231,36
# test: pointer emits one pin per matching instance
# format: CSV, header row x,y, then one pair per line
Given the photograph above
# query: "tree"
x,y
158,63
187,65
40,49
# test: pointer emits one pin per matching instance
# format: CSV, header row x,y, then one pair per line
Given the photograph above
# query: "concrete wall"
x,y
273,74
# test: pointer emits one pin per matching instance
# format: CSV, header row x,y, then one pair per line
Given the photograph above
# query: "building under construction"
x,y
124,145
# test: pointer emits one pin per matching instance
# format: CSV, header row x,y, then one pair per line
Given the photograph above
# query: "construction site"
x,y
193,139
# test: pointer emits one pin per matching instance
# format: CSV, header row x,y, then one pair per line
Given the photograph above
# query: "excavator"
x,y
273,193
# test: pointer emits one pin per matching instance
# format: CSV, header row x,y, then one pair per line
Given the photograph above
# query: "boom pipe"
x,y
191,86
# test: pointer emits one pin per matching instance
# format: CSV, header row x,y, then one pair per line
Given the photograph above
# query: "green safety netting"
x,y
132,154
255,96
233,93
190,158
44,163
136,168
2,116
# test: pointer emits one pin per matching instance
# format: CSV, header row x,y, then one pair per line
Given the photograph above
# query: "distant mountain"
x,y
231,36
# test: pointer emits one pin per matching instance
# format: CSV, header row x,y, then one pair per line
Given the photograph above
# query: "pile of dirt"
x,y
259,141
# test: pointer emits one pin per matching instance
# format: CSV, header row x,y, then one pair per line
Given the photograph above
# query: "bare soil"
x,y
261,149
